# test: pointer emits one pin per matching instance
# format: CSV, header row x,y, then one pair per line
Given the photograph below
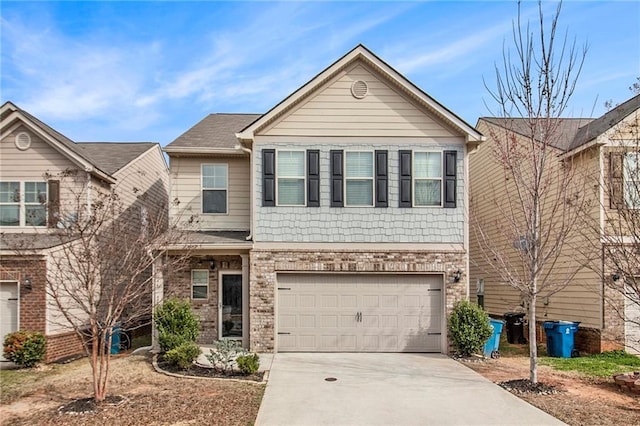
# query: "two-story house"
x,y
602,251
45,178
336,221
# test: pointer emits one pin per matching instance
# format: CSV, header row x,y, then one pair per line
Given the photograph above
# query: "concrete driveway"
x,y
387,389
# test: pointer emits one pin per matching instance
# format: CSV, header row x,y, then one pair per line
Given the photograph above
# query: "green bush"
x,y
248,364
223,356
183,355
469,328
25,348
176,323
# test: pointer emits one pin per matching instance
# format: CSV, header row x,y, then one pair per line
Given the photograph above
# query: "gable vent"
x,y
23,141
359,89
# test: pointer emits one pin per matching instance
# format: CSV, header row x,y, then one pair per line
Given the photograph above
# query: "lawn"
x,y
598,365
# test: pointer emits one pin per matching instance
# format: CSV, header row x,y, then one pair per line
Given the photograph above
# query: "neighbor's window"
x,y
23,203
427,178
214,188
480,292
631,179
359,178
290,172
199,284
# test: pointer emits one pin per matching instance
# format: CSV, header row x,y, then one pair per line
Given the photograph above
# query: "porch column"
x,y
156,299
245,300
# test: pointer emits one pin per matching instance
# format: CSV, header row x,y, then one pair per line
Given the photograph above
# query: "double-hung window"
x,y
631,180
427,179
359,178
290,171
23,204
214,188
199,284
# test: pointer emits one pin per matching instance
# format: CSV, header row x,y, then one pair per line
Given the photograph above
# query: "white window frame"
x,y
629,196
22,204
373,178
202,188
414,179
199,284
303,178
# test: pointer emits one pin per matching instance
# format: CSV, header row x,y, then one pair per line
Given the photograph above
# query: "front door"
x,y
231,313
8,309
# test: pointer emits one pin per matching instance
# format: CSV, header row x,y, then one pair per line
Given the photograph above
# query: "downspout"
x,y
467,209
89,197
251,184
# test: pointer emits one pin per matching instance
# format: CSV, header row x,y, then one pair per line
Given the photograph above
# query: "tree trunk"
x,y
533,344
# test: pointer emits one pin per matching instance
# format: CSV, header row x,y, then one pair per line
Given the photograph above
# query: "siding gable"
x,y
333,111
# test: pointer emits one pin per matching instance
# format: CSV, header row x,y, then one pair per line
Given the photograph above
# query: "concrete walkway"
x,y
387,389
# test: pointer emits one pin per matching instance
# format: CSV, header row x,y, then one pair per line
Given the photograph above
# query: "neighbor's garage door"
x,y
359,313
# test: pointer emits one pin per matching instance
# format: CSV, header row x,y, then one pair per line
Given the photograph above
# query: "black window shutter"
x,y
382,179
405,178
313,178
268,177
450,179
616,195
53,203
337,198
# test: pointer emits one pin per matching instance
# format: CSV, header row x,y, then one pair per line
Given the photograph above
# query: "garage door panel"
x,y
329,301
349,301
348,342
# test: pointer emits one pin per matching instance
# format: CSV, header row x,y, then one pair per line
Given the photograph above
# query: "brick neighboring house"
x,y
35,202
336,221
605,150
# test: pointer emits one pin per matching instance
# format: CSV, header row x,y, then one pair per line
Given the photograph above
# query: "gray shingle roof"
x,y
214,131
25,242
112,156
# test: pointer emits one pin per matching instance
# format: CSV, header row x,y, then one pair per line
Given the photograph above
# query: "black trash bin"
x,y
515,327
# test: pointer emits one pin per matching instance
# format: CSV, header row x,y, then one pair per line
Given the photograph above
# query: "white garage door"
x,y
359,313
632,323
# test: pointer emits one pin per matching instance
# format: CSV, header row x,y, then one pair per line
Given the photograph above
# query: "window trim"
x,y
22,204
372,178
202,189
626,195
413,178
200,285
303,177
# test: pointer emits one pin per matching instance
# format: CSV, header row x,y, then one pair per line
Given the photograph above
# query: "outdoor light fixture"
x,y
457,276
615,276
27,284
212,264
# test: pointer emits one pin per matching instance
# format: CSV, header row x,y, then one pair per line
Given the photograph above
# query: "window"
x,y
631,180
427,179
290,171
214,188
480,292
359,178
23,203
199,284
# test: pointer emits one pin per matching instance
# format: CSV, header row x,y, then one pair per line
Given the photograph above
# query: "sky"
x,y
148,71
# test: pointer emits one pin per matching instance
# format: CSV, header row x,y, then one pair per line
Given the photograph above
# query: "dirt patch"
x,y
150,398
578,400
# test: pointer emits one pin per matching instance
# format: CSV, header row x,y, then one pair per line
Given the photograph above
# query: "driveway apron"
x,y
387,389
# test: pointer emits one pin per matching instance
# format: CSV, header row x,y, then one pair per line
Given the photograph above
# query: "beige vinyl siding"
x,y
580,301
187,191
334,111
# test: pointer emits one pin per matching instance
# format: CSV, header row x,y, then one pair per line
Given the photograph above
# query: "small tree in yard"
x,y
469,328
538,200
100,272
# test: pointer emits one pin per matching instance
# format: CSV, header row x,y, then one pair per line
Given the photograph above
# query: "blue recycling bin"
x,y
115,340
491,347
560,338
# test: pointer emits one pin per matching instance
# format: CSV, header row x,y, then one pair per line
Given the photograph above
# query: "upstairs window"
x,y
427,179
23,204
631,180
214,188
290,172
359,178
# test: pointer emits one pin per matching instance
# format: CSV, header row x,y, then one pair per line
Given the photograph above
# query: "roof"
x,y
112,156
213,131
361,53
213,239
27,242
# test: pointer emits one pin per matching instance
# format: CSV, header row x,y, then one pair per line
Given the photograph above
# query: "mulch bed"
x,y
89,405
526,386
201,371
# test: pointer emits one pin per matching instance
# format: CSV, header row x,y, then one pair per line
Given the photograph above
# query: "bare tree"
x,y
100,271
536,199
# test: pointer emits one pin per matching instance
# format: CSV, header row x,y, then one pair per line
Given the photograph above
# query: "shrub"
x,y
248,364
176,323
25,348
224,355
469,328
183,355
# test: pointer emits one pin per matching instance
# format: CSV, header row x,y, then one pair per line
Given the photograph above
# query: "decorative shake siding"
x,y
266,264
361,224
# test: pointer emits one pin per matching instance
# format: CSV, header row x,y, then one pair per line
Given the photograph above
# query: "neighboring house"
x,y
596,148
336,221
36,200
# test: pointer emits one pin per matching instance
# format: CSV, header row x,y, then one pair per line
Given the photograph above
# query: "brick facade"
x,y
265,264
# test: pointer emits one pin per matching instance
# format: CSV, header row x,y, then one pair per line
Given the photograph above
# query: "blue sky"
x,y
147,71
